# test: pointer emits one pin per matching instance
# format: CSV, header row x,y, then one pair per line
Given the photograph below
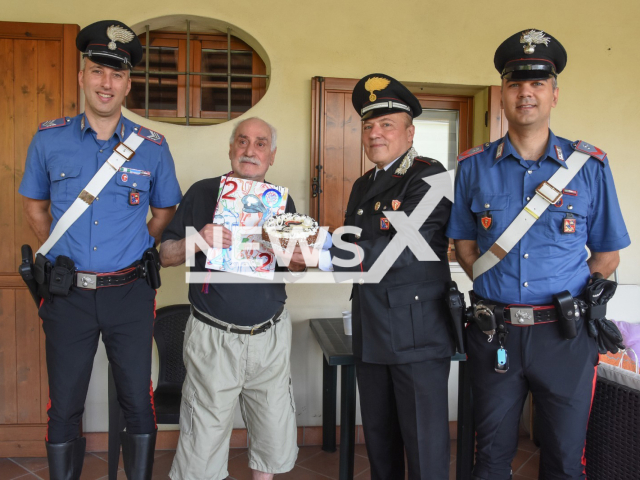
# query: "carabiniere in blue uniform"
x,y
528,303
112,234
494,183
99,278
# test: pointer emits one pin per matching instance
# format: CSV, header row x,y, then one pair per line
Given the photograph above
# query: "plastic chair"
x,y
168,333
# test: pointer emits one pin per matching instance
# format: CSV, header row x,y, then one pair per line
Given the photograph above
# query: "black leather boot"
x,y
66,459
137,453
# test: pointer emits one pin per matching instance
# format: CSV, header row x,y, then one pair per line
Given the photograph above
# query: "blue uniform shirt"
x,y
111,234
494,178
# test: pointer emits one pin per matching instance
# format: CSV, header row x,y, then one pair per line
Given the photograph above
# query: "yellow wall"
x,y
434,41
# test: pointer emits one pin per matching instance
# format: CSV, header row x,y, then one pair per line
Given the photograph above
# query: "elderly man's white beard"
x,y
251,160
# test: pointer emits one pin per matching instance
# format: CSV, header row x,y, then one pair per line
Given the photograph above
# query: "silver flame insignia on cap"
x,y
533,38
118,34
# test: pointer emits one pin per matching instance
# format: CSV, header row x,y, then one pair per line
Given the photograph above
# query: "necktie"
x,y
374,178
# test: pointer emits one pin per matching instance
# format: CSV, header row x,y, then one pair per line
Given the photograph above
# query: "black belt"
x,y
254,331
92,280
519,314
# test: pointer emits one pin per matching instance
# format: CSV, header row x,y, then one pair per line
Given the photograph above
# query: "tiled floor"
x,y
312,464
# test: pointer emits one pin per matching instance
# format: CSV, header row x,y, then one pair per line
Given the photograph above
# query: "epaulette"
x,y
473,151
428,161
589,149
150,135
58,122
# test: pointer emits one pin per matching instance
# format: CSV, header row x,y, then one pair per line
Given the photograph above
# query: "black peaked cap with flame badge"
x,y
530,55
110,43
378,94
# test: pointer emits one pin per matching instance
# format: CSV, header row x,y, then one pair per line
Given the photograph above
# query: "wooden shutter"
x,y
38,82
337,156
498,123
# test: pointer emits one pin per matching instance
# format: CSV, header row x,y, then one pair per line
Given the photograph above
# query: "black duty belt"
x,y
91,280
242,331
521,314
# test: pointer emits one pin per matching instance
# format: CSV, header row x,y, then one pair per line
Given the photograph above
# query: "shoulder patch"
x,y
150,135
589,149
58,122
472,151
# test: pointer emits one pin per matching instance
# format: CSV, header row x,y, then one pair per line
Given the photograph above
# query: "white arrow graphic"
x,y
408,229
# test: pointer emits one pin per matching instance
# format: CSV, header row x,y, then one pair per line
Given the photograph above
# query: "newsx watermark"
x,y
407,236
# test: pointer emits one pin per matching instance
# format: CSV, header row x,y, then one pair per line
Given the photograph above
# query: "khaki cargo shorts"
x,y
222,368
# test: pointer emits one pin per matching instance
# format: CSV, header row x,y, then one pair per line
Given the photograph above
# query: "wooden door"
x,y
38,82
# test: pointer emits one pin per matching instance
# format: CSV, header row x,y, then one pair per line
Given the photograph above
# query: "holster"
x,y
151,265
568,313
25,269
457,308
62,275
42,274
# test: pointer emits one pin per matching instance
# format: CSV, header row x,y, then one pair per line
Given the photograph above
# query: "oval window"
x,y
195,72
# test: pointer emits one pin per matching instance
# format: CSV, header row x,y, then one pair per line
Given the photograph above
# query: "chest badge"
x,y
134,197
377,206
124,177
569,224
395,204
486,220
384,224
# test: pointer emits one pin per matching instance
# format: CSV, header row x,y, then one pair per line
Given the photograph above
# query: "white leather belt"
x,y
546,193
123,152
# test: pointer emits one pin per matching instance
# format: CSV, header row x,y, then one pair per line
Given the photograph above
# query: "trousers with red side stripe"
x,y
124,315
560,374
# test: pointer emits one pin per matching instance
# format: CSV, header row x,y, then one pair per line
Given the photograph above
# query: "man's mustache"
x,y
245,159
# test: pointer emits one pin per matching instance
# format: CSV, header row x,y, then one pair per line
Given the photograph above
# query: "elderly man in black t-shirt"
x,y
237,340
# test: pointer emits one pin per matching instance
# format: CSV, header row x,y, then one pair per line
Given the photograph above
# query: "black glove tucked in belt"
x,y
596,295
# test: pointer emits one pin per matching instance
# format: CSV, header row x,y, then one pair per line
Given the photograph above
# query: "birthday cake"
x,y
286,227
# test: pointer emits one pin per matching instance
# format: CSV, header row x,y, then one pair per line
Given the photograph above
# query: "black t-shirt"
x,y
243,304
